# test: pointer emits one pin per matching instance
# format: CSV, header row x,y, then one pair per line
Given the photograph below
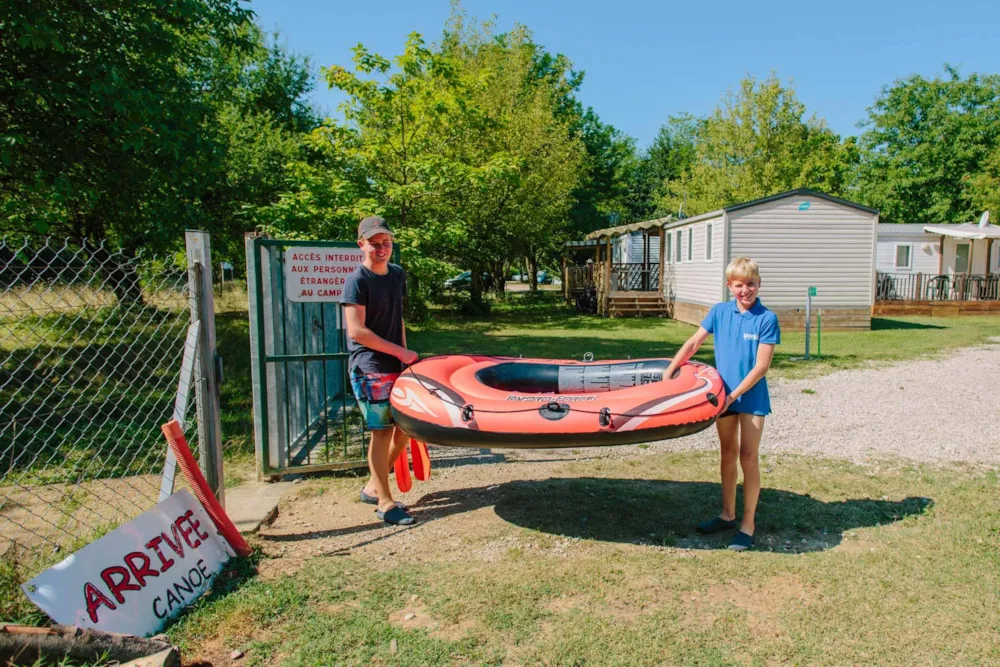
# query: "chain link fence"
x,y
91,345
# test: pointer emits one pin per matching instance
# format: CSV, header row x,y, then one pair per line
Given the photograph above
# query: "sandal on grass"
x,y
716,524
741,542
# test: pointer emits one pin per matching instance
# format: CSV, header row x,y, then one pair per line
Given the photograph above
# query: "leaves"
x,y
928,146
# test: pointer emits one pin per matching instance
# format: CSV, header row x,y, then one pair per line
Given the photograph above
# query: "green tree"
x,y
125,123
102,117
669,158
518,126
985,186
757,144
602,196
926,145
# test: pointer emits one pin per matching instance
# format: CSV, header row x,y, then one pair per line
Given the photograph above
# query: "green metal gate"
x,y
306,418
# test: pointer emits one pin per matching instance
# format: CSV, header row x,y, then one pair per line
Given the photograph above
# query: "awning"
x,y
968,230
629,228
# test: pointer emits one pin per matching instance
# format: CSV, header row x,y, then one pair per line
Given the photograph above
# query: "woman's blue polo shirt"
x,y
737,336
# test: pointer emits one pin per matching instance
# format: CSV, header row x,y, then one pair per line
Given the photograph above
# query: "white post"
x,y
808,317
199,256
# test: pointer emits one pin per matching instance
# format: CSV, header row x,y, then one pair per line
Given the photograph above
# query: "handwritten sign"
x,y
318,275
134,579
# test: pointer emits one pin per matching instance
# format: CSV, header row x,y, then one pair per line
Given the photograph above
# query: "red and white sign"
x,y
133,579
318,275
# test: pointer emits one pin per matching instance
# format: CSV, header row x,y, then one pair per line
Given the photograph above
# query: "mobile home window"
x,y
666,254
962,258
708,243
677,253
690,244
904,259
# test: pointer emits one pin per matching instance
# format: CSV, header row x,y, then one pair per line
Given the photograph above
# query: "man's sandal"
x,y
715,525
741,542
395,516
373,500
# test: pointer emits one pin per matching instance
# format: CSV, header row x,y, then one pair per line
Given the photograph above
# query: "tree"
x,y
926,146
101,123
602,196
985,186
669,158
757,144
521,207
122,124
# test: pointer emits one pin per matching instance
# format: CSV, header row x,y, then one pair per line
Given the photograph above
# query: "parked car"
x,y
464,281
542,277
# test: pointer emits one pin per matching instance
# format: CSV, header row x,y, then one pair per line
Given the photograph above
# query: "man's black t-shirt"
x,y
382,297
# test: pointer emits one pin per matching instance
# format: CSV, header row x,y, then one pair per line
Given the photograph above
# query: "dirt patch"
x,y
455,631
414,616
772,597
273,568
568,603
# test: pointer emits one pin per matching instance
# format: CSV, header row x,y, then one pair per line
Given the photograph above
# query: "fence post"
x,y
199,257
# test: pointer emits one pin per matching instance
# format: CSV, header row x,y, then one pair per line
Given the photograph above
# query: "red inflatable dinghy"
x,y
479,401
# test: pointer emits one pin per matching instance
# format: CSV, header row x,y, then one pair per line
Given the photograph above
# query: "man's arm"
x,y
688,350
765,352
356,329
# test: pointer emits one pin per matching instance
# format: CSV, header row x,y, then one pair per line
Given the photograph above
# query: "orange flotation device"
x,y
503,402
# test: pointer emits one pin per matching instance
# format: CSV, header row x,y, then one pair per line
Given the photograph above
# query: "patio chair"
x,y
886,288
938,288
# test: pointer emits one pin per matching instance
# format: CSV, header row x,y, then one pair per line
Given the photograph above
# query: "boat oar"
x,y
421,460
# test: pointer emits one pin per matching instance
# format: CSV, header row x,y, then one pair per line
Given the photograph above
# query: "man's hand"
x,y
729,401
408,357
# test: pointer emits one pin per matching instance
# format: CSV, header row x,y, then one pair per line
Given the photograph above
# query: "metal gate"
x,y
306,418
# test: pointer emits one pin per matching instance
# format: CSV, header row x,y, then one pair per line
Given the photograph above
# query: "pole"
x,y
199,256
819,333
808,317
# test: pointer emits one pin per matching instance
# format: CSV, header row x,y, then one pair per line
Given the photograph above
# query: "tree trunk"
x,y
476,289
499,277
533,268
120,272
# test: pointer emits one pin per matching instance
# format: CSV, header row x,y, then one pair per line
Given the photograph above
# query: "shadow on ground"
x,y
648,512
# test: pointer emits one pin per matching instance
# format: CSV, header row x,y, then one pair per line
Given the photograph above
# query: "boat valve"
x,y
467,412
604,417
713,399
554,411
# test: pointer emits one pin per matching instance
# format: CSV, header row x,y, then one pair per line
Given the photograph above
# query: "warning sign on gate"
x,y
318,275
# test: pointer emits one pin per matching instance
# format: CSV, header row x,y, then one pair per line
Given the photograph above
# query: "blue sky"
x,y
646,60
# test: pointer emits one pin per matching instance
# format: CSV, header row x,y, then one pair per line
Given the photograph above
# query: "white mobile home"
x,y
937,249
800,239
937,269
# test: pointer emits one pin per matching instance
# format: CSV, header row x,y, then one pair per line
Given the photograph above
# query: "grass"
x,y
896,565
522,324
544,327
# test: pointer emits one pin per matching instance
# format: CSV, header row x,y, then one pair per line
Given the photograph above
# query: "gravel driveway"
x,y
932,410
942,410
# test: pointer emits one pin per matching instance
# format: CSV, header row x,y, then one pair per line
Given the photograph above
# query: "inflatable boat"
x,y
480,401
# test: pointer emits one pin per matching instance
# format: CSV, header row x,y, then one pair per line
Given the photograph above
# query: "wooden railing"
x,y
579,277
936,287
635,277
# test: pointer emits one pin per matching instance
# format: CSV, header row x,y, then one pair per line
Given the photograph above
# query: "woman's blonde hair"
x,y
742,268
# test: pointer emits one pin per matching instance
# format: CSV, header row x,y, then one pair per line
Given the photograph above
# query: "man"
x,y
373,306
